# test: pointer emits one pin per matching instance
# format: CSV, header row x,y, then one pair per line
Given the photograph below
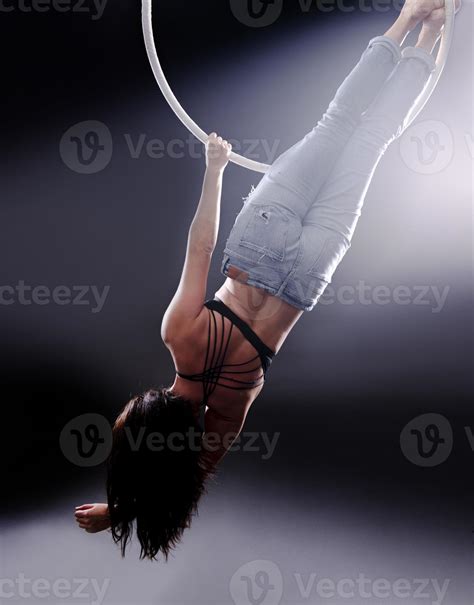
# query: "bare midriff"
x,y
270,317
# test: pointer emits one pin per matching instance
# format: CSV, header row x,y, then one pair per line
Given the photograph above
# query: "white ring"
x,y
175,105
445,47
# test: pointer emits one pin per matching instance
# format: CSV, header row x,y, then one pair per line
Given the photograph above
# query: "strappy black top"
x,y
216,372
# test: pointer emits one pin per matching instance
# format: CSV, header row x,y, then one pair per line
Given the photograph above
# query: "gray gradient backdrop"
x,y
344,494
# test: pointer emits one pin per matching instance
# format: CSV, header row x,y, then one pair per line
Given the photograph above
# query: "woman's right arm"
x,y
190,296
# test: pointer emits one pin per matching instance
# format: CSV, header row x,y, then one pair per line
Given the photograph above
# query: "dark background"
x,y
338,497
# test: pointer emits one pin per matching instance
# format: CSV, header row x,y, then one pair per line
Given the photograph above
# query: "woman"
x,y
285,245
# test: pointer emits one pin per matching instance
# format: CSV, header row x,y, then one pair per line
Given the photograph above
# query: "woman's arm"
x,y
205,224
190,296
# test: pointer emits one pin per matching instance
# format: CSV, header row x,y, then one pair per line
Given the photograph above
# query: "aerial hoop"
x,y
175,105
445,47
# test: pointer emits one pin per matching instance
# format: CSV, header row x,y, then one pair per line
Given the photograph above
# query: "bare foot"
x,y
435,21
433,26
430,12
416,11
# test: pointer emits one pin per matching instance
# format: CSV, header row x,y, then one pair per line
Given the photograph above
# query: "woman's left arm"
x,y
190,295
205,224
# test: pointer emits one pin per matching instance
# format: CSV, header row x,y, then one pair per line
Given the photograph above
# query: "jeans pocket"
x,y
329,255
267,231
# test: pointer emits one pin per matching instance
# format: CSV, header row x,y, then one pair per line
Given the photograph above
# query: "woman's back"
x,y
271,318
216,365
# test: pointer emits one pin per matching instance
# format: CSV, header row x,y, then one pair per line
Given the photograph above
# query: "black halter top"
x,y
216,372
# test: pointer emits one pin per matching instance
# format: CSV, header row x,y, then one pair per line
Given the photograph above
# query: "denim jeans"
x,y
297,224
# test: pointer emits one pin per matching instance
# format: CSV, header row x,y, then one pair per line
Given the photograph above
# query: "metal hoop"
x,y
175,105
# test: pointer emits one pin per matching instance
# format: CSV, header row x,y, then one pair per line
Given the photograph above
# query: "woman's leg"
x,y
296,177
266,242
288,189
330,222
298,174
340,201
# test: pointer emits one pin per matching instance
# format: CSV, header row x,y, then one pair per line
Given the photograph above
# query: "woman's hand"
x,y
93,517
217,153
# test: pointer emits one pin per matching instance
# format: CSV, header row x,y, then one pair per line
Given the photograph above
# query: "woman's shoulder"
x,y
189,338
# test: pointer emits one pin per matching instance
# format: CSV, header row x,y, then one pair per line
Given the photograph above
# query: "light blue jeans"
x,y
297,224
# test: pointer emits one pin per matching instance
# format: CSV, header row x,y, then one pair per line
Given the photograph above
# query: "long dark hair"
x,y
155,476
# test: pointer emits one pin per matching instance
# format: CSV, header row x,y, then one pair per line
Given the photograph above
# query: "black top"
x,y
216,372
